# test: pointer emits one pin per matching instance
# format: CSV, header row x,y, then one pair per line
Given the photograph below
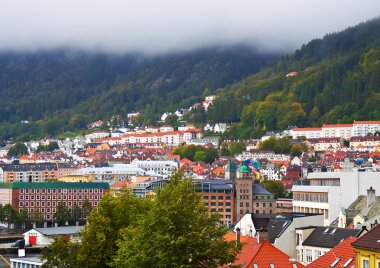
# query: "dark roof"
x,y
29,167
370,240
258,189
215,185
55,185
327,237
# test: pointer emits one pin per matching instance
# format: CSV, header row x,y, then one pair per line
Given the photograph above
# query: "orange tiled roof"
x,y
262,254
307,129
366,122
344,251
336,125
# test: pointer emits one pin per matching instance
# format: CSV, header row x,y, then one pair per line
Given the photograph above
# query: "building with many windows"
x,y
44,197
219,197
327,192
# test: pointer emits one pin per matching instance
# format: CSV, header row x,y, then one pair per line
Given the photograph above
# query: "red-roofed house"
x,y
264,254
343,255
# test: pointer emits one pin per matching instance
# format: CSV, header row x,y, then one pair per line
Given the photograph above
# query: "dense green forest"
x,y
337,81
63,90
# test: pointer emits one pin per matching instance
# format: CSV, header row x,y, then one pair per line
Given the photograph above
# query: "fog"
x,y
161,26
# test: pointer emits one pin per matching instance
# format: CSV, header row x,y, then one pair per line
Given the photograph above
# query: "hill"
x,y
63,90
335,79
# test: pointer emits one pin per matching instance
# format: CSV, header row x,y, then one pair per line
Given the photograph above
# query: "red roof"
x,y
263,254
366,122
307,129
336,125
344,251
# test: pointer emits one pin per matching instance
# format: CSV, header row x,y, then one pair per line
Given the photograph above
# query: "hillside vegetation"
x,y
338,81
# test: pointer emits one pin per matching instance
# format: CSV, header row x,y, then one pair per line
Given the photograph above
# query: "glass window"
x,y
365,263
309,255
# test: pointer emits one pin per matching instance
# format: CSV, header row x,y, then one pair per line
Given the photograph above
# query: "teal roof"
x,y
54,185
243,168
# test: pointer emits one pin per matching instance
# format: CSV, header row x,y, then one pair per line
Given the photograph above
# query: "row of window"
x,y
220,204
311,197
228,197
49,204
221,210
59,197
60,190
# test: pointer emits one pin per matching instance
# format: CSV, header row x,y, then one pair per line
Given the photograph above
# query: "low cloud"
x,y
161,26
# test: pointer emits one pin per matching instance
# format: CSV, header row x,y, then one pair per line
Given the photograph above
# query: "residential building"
x,y
34,172
164,167
146,188
308,133
362,128
44,197
313,242
328,192
117,172
343,255
365,141
257,255
367,249
258,154
214,141
284,205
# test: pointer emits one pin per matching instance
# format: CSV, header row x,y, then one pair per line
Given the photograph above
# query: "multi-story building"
x,y
117,172
219,197
263,201
34,172
165,167
366,141
345,131
258,154
146,188
44,197
171,138
327,192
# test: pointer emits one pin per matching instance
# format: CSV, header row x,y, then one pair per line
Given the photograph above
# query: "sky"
x,y
162,26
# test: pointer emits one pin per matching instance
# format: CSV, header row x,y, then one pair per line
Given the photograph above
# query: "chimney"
x,y
238,234
371,196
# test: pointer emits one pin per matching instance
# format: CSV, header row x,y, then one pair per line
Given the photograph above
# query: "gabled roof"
x,y
370,240
342,254
327,237
63,230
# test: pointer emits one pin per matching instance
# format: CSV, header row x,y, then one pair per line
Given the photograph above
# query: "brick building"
x,y
219,197
44,197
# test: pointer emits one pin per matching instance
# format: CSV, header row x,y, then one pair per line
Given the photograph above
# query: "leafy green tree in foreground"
x,y
18,149
176,232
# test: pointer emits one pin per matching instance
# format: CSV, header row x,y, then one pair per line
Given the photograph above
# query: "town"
x,y
305,207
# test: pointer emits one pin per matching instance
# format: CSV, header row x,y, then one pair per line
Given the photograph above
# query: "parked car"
x,y
20,243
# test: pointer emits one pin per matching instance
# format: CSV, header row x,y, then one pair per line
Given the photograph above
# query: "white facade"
x,y
165,168
97,135
262,154
362,128
309,133
246,225
329,191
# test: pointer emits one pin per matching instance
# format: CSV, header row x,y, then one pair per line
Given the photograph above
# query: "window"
x,y
213,203
365,263
298,253
205,197
309,255
317,254
220,203
220,197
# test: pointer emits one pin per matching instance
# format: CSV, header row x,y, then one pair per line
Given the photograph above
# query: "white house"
x,y
26,262
45,236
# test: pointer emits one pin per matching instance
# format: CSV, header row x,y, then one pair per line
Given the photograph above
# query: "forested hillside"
x,y
337,81
63,90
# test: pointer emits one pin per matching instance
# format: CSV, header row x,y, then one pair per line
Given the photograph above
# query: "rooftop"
x,y
56,185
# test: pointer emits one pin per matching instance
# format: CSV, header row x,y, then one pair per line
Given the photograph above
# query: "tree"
x,y
224,151
62,215
176,232
17,149
200,156
171,119
114,213
61,254
10,214
211,155
275,187
237,147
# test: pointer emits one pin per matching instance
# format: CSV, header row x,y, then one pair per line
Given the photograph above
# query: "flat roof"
x,y
54,185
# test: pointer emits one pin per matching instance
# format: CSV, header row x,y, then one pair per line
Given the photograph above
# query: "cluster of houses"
x,y
333,187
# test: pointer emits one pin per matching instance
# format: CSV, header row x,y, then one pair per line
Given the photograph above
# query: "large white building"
x,y
165,168
345,131
328,192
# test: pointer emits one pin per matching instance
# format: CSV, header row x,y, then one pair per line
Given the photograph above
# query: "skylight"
x,y
348,262
334,263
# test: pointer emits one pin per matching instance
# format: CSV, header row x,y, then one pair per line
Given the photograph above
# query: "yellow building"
x,y
367,249
75,178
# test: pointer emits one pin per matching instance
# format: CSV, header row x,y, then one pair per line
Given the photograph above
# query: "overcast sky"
x,y
158,26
